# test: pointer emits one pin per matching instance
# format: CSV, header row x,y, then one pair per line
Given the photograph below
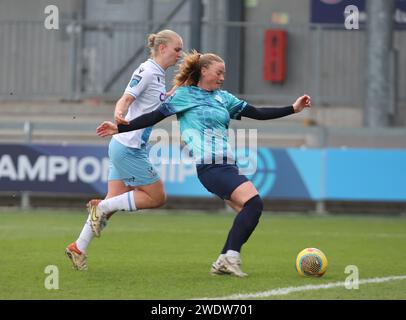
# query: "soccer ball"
x,y
311,262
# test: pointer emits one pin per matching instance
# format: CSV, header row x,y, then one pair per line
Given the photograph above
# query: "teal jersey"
x,y
204,118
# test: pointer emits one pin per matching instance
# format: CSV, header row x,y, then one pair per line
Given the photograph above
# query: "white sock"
x,y
85,237
233,254
122,202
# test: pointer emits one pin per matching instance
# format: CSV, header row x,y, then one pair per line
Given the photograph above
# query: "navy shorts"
x,y
220,179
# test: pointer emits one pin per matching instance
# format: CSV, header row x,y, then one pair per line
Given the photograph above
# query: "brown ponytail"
x,y
189,70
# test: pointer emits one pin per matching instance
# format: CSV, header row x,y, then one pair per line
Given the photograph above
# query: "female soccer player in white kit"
x,y
132,180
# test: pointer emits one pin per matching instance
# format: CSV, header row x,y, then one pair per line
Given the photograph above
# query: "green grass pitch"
x,y
167,255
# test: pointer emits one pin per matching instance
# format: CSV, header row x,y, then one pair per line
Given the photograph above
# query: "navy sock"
x,y
244,224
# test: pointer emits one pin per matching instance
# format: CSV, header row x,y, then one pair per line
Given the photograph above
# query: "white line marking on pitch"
x,y
288,290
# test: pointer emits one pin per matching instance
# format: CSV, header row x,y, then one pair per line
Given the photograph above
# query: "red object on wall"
x,y
275,55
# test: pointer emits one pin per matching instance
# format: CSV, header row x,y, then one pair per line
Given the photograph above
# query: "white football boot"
x,y
77,257
227,265
97,218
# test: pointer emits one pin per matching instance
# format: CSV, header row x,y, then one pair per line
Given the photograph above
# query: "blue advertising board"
x,y
332,12
280,173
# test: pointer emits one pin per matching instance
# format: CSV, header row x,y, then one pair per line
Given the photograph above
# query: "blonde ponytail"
x,y
162,37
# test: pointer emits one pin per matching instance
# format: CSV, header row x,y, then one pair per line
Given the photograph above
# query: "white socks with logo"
x,y
122,202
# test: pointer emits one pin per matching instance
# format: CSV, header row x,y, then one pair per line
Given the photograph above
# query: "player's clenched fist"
x,y
302,102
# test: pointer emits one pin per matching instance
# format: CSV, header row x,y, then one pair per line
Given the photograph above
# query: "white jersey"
x,y
147,86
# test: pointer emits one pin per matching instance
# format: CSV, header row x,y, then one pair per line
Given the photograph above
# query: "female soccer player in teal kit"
x,y
202,107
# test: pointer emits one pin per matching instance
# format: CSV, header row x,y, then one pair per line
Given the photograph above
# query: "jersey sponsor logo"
x,y
218,98
135,80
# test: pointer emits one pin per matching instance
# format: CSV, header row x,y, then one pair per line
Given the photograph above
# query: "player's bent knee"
x,y
159,200
255,204
162,200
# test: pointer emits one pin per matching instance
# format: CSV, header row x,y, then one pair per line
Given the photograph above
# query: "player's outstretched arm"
x,y
108,128
274,113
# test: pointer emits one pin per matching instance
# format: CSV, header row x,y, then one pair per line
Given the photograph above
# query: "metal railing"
x,y
82,58
305,136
